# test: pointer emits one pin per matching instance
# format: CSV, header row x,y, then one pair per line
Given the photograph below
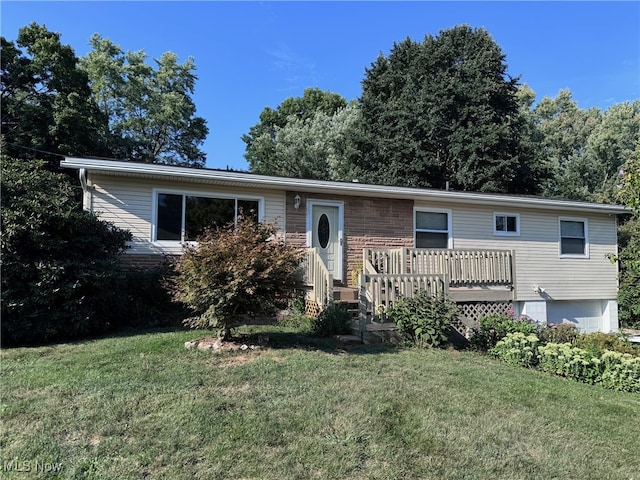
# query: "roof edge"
x,y
352,188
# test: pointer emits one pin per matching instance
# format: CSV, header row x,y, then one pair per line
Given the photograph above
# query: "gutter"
x,y
323,186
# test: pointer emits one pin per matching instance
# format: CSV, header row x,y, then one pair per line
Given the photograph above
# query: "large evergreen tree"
x,y
445,110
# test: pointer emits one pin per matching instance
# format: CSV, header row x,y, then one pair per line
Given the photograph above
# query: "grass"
x,y
142,406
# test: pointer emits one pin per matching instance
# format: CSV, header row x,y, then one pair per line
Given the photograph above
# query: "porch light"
x,y
296,201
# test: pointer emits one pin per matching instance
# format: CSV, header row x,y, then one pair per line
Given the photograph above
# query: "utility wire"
x,y
34,149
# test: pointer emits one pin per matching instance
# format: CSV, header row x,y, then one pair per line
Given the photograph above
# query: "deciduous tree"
x,y
318,146
268,153
629,233
47,105
150,110
239,270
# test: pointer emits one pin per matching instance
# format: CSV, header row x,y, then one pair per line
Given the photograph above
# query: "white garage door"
x,y
584,314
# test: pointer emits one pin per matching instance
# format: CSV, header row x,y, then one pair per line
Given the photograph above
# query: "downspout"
x,y
87,197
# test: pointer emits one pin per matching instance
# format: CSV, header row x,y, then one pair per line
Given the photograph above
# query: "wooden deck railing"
x,y
318,278
463,267
389,274
381,291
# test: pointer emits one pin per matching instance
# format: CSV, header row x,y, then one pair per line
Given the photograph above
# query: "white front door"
x,y
324,232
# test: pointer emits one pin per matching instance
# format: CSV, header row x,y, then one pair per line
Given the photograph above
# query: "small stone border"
x,y
214,344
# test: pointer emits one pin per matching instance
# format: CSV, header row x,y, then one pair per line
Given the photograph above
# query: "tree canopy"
x,y
109,103
270,142
585,149
150,110
47,105
318,146
445,110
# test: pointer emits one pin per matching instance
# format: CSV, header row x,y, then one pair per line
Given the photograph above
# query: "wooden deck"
x,y
389,274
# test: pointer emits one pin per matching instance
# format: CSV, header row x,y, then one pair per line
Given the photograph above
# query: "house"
x,y
536,256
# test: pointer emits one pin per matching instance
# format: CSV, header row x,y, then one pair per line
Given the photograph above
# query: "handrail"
x,y
318,277
378,292
463,267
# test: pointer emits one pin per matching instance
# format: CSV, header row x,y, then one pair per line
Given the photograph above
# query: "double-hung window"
x,y
506,224
432,228
574,237
185,216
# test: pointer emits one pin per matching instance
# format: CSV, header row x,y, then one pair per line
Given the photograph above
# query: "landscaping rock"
x,y
214,344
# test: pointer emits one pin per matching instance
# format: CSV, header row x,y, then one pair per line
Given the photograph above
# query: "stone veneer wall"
x,y
143,261
369,222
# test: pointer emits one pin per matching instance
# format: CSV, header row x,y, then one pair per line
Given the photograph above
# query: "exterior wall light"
x,y
296,201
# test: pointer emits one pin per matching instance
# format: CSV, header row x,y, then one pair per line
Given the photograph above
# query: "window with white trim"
x,y
183,216
506,224
574,237
432,228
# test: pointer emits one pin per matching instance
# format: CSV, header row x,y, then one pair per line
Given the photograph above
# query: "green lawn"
x,y
142,406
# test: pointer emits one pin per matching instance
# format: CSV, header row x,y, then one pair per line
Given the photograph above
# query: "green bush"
x,y
241,270
558,333
620,371
423,320
569,361
149,304
517,349
598,343
493,328
333,320
61,272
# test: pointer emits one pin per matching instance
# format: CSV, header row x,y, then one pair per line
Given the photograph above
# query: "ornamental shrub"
x,y
518,349
61,273
620,371
235,271
423,320
568,361
493,328
598,343
558,333
333,320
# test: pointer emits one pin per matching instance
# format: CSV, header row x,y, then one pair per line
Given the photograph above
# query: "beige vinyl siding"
x,y
128,203
538,260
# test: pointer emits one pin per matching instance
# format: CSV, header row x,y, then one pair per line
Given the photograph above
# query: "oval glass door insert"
x,y
323,230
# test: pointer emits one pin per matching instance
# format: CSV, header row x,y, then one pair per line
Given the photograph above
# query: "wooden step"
x,y
345,294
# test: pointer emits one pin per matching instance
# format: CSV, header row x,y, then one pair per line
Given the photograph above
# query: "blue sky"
x,y
250,55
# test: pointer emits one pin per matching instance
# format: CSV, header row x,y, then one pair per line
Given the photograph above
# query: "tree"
x,y
47,105
60,265
629,239
317,147
565,130
261,141
611,143
235,271
150,110
445,111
